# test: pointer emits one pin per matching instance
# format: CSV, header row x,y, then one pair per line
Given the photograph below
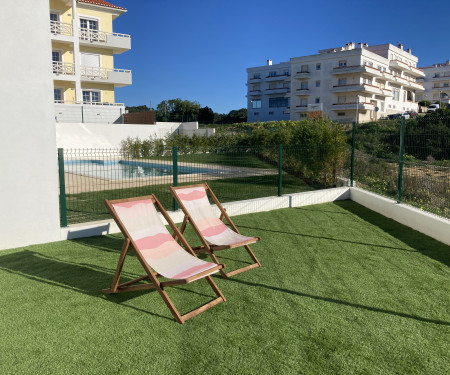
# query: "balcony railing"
x,y
61,28
119,77
98,36
63,68
105,104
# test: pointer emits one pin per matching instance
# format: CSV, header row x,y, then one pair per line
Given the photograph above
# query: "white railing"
x,y
98,36
105,104
61,28
97,72
63,68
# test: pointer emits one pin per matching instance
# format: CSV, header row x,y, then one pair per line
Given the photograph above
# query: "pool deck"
x,y
79,183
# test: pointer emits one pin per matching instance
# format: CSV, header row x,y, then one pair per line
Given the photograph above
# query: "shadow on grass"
x,y
79,277
420,242
332,300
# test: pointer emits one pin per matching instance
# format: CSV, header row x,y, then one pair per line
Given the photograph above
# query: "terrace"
x,y
342,289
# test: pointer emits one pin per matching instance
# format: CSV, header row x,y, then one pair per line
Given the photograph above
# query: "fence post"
x,y
400,161
280,170
175,173
352,167
62,188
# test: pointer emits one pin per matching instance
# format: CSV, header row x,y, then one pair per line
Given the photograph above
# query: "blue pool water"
x,y
123,169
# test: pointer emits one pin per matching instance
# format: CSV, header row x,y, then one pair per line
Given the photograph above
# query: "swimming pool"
x,y
125,169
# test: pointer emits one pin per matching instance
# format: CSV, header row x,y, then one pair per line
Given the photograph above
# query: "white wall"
x,y
111,135
29,212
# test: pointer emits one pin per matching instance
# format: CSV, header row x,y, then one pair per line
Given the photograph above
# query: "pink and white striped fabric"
x,y
196,202
155,243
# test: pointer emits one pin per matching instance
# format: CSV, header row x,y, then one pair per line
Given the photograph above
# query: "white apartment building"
x,y
354,82
436,83
268,92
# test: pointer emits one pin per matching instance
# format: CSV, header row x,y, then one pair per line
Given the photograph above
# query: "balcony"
x,y
362,87
254,92
117,42
302,91
353,105
254,80
63,71
301,108
279,90
406,67
281,77
445,77
440,88
118,77
369,70
61,31
300,75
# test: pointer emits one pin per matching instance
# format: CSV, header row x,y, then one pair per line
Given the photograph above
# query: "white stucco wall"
x,y
70,135
29,212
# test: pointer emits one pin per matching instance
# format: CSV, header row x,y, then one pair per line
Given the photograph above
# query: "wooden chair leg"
x,y
170,305
252,255
116,278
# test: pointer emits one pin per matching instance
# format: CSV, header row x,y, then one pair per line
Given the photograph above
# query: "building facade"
x,y
354,82
436,83
83,49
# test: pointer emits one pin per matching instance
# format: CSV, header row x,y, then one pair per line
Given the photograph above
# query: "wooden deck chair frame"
x,y
207,247
151,275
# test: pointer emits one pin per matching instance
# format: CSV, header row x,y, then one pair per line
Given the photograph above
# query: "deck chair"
x,y
211,230
158,252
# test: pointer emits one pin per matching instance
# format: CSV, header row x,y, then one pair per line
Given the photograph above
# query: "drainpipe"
x,y
76,52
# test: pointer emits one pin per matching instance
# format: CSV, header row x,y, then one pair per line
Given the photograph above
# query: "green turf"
x,y
342,290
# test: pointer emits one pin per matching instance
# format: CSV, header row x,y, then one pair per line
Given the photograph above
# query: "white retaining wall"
x,y
29,212
421,221
94,135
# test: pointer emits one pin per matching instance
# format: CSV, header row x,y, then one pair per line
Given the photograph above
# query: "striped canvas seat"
x,y
210,226
155,243
211,230
158,252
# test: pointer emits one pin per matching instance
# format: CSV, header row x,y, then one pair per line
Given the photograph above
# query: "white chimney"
x,y
366,45
360,45
269,62
400,46
447,62
408,50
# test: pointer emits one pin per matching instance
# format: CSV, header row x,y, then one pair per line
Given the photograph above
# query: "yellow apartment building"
x,y
83,49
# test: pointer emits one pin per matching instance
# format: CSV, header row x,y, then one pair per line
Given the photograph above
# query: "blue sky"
x,y
200,49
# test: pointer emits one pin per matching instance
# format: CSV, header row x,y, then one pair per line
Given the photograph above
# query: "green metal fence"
x,y
406,160
90,176
411,166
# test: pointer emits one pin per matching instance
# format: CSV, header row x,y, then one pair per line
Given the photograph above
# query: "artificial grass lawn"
x,y
342,290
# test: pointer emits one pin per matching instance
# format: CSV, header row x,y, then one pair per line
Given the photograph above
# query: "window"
x,y
342,81
445,84
303,115
382,106
54,17
396,94
270,113
278,102
342,63
56,59
303,102
286,72
256,103
342,99
89,29
317,100
256,113
256,87
57,95
272,86
341,114
286,85
318,66
272,74
317,83
90,97
256,76
304,85
304,69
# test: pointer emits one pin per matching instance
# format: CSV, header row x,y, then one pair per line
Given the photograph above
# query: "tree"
x,y
139,108
177,110
206,115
